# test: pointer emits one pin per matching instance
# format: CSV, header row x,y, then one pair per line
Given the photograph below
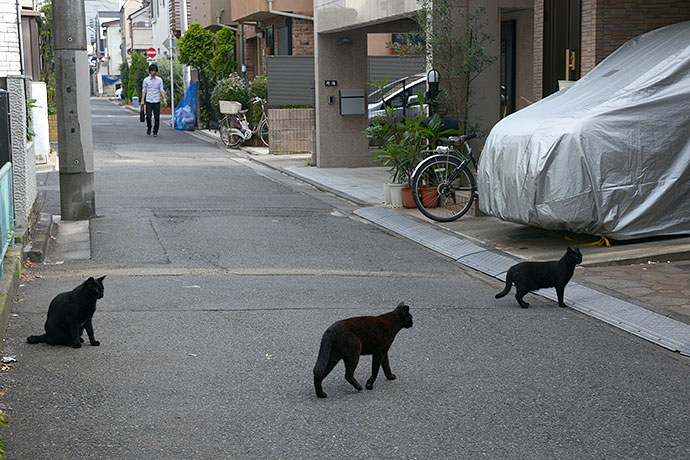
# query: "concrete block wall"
x,y
23,159
290,130
10,63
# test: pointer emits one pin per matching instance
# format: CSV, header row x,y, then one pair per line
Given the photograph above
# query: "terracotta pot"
x,y
408,201
429,196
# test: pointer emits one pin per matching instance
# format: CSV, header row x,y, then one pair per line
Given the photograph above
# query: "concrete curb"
x,y
36,249
12,270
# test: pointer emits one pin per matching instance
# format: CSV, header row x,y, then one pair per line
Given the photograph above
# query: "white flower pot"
x,y
396,195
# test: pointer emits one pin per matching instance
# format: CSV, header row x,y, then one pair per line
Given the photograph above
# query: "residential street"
x,y
222,275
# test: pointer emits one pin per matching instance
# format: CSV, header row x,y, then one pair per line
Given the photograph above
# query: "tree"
x,y
124,79
455,48
138,70
223,63
45,46
196,49
164,73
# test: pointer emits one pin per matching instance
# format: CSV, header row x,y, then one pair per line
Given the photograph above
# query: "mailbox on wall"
x,y
352,102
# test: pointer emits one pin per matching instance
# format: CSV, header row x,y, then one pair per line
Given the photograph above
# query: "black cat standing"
x,y
530,276
70,313
363,335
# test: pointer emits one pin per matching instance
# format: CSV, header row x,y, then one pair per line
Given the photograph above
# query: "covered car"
x,y
609,156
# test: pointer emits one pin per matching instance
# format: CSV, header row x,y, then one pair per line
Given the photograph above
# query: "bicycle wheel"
x,y
229,133
263,132
443,189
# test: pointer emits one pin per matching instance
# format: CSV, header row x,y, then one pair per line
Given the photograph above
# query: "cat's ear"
x,y
90,281
403,307
101,278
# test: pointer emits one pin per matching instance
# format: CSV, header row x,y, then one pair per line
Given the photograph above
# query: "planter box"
x,y
289,130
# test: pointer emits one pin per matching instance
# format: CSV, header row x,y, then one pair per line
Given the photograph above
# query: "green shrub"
x,y
124,79
138,70
232,88
223,62
259,87
164,73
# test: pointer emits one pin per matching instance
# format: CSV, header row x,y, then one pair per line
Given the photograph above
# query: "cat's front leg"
x,y
375,364
74,335
387,368
89,331
560,291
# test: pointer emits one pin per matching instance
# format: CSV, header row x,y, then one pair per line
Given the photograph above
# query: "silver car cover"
x,y
609,156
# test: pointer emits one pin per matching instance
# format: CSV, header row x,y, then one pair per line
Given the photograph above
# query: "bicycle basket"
x,y
229,107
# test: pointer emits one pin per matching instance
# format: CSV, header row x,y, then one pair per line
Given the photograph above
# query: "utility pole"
x,y
75,142
183,25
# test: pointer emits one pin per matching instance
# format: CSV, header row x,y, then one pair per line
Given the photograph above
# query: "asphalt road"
x,y
221,278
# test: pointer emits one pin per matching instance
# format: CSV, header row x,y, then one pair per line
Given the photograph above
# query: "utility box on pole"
x,y
75,142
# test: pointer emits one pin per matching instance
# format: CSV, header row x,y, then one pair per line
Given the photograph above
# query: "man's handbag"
x,y
142,115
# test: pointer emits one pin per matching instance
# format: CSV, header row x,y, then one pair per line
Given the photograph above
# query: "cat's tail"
x,y
324,355
36,338
509,284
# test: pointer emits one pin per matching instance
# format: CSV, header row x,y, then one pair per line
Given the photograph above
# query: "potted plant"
x,y
400,146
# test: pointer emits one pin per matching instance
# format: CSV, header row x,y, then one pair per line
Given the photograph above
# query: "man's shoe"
x,y
148,132
155,134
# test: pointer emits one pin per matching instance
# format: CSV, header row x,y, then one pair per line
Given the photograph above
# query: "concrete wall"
x,y
335,16
113,42
39,118
339,138
9,40
23,160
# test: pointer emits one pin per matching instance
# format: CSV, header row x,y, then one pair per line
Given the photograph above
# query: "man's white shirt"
x,y
153,87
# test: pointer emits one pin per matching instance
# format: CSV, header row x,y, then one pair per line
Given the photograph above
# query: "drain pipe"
x,y
220,24
290,15
21,39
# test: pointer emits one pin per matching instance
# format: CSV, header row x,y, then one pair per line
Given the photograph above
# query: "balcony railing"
x,y
6,211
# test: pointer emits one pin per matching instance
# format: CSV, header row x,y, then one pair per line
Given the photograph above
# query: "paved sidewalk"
x,y
642,287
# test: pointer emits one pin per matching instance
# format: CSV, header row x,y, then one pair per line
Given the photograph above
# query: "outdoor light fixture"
x,y
432,78
344,41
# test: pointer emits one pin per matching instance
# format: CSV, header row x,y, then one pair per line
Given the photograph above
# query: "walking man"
x,y
151,94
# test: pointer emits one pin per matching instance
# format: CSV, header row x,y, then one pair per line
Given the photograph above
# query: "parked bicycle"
x,y
235,129
443,185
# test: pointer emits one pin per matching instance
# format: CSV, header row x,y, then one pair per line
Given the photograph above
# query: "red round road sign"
x,y
151,52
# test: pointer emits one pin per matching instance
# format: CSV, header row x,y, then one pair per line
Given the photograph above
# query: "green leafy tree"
x,y
164,73
45,42
197,50
455,45
138,70
124,78
223,63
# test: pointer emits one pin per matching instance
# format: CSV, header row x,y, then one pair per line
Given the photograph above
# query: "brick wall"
x,y
538,47
9,40
302,36
625,19
606,25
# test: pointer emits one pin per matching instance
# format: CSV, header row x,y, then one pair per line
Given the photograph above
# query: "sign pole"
x,y
172,81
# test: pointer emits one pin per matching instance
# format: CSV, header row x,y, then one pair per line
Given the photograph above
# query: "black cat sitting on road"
x,y
530,276
363,335
70,313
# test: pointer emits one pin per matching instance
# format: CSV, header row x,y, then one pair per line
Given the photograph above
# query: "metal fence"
x,y
6,211
291,78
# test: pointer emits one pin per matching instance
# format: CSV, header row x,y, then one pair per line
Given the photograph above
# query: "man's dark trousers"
x,y
156,107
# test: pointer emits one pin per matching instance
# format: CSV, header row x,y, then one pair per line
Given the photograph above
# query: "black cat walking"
x,y
350,338
530,276
70,313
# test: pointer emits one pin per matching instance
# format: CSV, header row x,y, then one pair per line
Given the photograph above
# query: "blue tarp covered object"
x,y
185,112
108,80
